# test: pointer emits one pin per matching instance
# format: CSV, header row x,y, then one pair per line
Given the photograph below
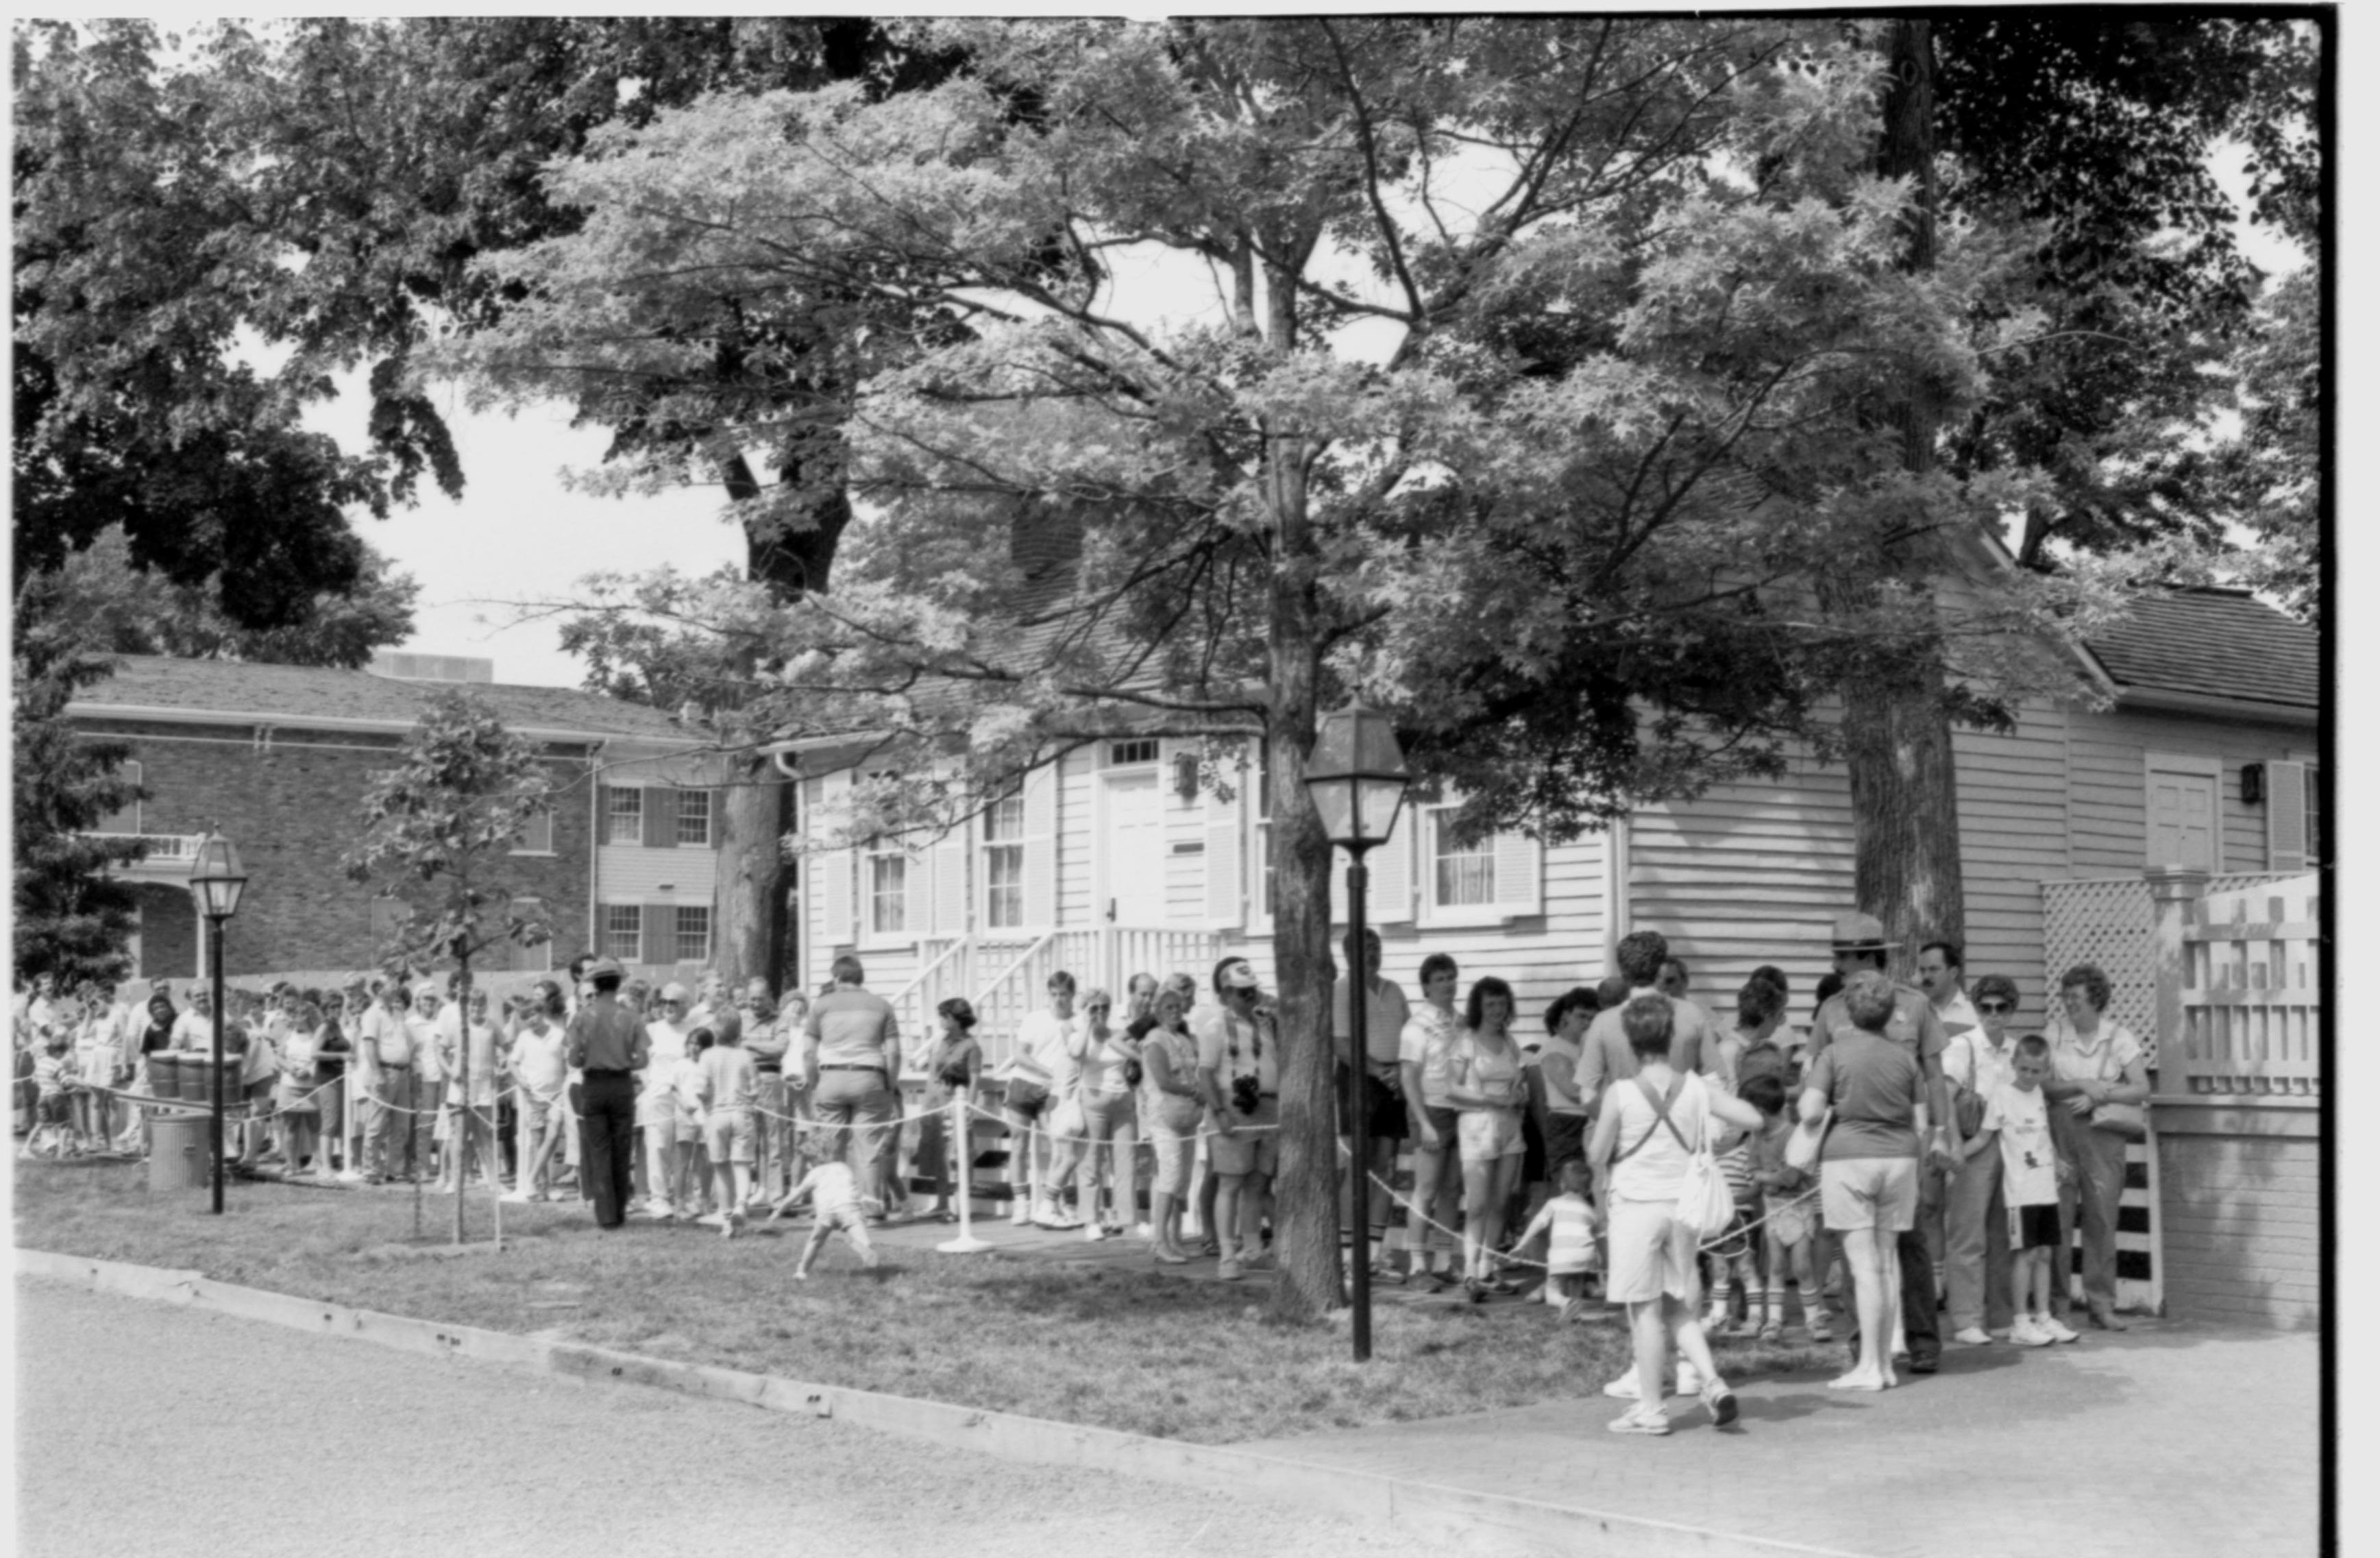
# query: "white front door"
x,y
1135,850
2181,819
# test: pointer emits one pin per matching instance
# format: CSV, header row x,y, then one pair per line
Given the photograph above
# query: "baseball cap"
x,y
1859,933
1240,976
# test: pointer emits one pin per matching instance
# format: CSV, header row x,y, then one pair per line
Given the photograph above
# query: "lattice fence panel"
x,y
2110,922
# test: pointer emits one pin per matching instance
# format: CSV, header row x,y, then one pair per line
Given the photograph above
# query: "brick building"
x,y
279,756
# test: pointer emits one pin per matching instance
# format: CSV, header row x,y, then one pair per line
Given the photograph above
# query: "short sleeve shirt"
x,y
1914,1025
1425,1023
2102,1058
606,1036
1233,1047
1385,1011
1604,1057
2028,1159
1874,1086
853,1026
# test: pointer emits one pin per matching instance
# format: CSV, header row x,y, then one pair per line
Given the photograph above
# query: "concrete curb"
x,y
1520,1525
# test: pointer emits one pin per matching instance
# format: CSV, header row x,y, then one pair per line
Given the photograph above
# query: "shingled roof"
x,y
297,694
2214,643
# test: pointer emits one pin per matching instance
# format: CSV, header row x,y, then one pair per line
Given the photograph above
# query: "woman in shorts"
x,y
1421,1067
1647,1131
1169,1059
1485,1085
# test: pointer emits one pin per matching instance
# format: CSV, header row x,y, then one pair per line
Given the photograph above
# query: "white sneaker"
x,y
1623,1388
2055,1330
1690,1378
521,1196
1974,1337
2024,1333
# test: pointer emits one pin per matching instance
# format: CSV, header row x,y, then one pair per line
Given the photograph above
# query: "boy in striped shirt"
x,y
1569,1224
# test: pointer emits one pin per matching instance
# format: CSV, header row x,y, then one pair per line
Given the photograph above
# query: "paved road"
x,y
145,1429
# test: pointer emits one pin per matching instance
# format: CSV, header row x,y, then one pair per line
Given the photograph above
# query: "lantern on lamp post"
x,y
216,883
1357,779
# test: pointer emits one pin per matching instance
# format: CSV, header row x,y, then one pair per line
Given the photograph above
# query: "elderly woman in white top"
x,y
2095,1062
1646,1131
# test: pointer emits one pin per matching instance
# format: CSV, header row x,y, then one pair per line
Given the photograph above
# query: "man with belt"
x,y
606,1044
1914,1023
1238,1071
853,1057
385,1047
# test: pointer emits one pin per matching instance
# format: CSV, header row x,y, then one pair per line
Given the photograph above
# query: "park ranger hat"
x,y
1860,932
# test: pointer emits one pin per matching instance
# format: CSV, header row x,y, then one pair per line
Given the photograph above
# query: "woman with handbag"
x,y
1654,1133
2098,1095
1873,1091
1169,1059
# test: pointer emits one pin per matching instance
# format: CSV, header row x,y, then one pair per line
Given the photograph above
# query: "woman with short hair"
x,y
1169,1059
1437,1163
1110,1124
1647,1132
2095,1062
952,1067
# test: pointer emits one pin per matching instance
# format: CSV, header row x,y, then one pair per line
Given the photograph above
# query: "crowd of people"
x,y
1906,1142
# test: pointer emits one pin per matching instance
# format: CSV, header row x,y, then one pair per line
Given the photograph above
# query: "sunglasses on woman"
x,y
1995,1009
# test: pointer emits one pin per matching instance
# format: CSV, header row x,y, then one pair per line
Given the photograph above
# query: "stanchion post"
x,y
963,1143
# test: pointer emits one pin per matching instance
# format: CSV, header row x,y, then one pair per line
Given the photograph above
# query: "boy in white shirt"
x,y
2017,1119
836,1203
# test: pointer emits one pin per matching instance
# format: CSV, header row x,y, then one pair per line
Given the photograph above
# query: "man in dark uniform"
x,y
1860,944
607,1040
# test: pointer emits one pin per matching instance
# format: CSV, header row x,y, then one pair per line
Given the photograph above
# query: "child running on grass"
x,y
54,1079
2017,1118
835,1202
1569,1226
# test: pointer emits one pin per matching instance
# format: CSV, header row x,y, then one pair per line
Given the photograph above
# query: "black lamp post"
x,y
1357,779
216,881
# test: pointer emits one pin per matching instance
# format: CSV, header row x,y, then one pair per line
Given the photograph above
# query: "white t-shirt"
x,y
1385,1016
831,1189
1101,1067
539,1063
2112,1047
1233,1047
194,1030
1974,1065
1043,1036
2028,1158
427,1062
1424,1039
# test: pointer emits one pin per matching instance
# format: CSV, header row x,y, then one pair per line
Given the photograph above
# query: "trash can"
x,y
177,1153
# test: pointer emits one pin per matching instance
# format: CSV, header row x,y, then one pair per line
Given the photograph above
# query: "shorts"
x,y
1384,1106
2034,1227
1442,1121
52,1110
1251,1151
298,1098
1173,1147
1869,1193
1106,1114
1488,1133
1651,1254
1025,1099
532,1115
727,1136
331,1104
1565,1139
688,1131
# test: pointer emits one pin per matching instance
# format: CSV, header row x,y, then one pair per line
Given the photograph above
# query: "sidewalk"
x,y
2171,1440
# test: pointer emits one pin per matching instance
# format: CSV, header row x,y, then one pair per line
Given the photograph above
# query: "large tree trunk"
x,y
1896,728
754,874
1306,1191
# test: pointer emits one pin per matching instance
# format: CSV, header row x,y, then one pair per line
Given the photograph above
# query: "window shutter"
x,y
830,869
1520,875
949,879
602,814
1227,853
661,817
1040,842
127,819
1391,902
2284,816
659,933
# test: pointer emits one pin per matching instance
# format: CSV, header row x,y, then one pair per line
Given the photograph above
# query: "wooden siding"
x,y
1078,836
627,874
2012,836
2242,1231
2110,803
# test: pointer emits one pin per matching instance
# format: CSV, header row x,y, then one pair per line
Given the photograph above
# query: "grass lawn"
x,y
1131,1350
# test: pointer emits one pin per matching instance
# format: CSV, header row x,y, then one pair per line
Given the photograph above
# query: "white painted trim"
x,y
1102,840
84,710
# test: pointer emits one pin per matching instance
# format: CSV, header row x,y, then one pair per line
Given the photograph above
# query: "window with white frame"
x,y
537,838
1461,875
888,888
1263,782
525,958
1003,862
693,818
1124,754
693,933
623,815
624,931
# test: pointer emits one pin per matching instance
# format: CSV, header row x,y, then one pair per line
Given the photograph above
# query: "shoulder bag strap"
x,y
1661,1115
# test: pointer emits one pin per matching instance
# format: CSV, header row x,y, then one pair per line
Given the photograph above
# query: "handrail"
x,y
957,945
